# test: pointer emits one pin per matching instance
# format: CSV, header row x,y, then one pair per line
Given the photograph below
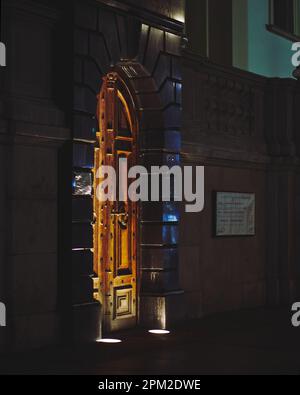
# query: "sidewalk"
x,y
253,342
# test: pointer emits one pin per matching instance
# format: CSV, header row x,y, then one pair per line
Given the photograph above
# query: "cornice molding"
x,y
34,7
146,15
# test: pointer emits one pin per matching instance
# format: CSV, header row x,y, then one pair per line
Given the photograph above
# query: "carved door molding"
x,y
140,282
115,228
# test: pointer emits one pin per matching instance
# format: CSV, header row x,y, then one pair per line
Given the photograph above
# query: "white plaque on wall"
x,y
235,214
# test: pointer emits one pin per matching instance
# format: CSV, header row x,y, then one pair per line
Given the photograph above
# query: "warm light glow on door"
x,y
115,229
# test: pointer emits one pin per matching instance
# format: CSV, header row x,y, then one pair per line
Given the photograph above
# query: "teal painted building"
x,y
253,35
260,46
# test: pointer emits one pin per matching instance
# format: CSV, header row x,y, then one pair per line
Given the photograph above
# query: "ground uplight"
x,y
109,341
159,331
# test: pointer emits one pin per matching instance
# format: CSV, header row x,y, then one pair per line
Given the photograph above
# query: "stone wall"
x,y
34,131
241,128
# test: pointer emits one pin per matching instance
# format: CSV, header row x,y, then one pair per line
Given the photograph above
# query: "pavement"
x,y
254,342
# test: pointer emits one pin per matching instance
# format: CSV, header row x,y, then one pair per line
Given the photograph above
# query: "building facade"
x,y
158,83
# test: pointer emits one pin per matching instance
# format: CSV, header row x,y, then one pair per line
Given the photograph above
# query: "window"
x,y
285,18
283,15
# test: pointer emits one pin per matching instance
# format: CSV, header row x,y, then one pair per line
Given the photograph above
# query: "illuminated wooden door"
x,y
115,229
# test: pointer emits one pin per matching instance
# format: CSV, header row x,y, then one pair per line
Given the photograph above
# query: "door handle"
x,y
123,221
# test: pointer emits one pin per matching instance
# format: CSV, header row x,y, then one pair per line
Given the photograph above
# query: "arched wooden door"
x,y
115,228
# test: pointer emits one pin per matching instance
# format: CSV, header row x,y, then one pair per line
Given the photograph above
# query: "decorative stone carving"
x,y
224,106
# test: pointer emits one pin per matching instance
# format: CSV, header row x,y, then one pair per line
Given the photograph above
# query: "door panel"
x,y
115,228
